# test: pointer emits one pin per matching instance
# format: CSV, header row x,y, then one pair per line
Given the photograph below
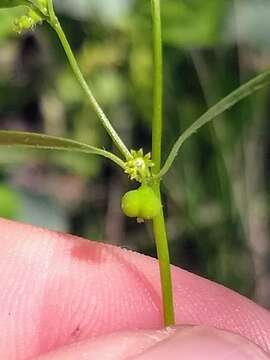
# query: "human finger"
x,y
57,289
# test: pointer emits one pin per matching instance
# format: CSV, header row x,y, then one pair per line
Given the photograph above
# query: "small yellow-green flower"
x,y
139,166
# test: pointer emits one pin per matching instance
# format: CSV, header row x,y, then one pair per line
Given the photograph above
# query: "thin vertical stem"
x,y
158,86
160,235
159,228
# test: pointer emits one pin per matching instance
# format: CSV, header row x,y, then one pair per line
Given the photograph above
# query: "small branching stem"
x,y
78,74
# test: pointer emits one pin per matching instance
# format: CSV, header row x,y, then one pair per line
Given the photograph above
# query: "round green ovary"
x,y
141,203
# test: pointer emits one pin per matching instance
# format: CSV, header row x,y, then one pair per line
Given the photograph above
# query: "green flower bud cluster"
x,y
37,11
141,203
139,166
27,22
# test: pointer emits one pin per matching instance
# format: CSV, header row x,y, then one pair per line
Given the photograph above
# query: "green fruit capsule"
x,y
130,203
141,203
150,204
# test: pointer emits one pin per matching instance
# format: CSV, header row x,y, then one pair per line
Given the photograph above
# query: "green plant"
x,y
145,203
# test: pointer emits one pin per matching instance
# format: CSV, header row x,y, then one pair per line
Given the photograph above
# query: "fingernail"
x,y
203,343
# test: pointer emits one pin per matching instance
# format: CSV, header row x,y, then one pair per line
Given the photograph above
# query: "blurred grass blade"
x,y
47,142
12,3
226,103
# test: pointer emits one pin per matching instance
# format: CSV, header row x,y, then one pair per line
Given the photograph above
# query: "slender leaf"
x,y
42,141
226,103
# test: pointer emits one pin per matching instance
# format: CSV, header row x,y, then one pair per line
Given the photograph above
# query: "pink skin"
x,y
84,300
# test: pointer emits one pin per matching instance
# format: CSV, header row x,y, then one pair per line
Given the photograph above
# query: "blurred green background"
x,y
217,193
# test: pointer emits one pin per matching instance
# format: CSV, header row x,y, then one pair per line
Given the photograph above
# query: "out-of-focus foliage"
x,y
191,23
217,193
9,202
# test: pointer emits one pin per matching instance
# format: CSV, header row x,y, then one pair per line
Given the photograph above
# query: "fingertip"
x,y
118,345
203,343
181,342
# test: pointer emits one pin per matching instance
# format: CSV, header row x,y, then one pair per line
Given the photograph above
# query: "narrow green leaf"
x,y
226,103
47,142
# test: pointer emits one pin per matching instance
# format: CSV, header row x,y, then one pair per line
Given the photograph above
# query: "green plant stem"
x,y
78,74
160,235
157,88
159,228
51,9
